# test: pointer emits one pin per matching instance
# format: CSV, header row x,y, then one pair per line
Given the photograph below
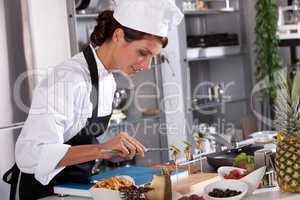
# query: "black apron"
x,y
29,187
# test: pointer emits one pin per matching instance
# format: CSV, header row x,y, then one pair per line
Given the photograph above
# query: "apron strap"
x,y
89,57
11,177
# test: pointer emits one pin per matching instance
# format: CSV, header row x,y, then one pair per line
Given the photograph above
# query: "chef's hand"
x,y
126,145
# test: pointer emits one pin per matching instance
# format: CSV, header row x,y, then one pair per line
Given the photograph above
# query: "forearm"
x,y
80,154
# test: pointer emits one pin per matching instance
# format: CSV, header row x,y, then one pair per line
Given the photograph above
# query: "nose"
x,y
146,63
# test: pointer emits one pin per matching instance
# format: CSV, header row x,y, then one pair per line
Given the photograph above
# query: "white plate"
x,y
102,193
263,137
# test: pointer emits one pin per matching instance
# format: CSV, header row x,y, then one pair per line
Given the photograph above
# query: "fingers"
x,y
134,145
124,150
138,148
126,145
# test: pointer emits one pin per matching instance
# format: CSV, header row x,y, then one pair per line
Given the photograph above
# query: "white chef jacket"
x,y
59,110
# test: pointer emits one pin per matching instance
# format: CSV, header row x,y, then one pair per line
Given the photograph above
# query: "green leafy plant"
x,y
244,161
267,46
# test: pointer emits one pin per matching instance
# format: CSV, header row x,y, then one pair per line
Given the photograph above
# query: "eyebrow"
x,y
148,51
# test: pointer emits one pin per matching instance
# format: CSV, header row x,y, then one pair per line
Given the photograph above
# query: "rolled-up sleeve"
x,y
40,146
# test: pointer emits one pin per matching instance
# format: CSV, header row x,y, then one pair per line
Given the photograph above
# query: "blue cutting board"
x,y
141,176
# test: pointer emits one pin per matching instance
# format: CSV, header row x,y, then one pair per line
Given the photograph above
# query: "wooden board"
x,y
195,183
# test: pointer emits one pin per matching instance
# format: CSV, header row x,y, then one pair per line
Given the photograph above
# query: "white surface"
x,y
49,32
101,193
262,194
272,193
253,179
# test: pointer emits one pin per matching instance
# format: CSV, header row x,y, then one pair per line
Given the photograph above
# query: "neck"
x,y
104,54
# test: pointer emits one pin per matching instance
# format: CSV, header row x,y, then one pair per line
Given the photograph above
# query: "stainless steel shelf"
x,y
217,104
208,12
87,16
213,57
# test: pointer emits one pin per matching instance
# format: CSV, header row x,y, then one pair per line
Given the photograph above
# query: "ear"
x,y
118,35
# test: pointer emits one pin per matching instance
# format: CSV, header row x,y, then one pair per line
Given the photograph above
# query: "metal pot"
x,y
121,99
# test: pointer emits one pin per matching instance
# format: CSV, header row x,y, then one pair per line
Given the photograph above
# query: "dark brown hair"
x,y
106,25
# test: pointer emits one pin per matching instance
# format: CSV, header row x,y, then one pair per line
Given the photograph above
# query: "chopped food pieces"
x,y
223,193
114,183
134,193
234,174
128,191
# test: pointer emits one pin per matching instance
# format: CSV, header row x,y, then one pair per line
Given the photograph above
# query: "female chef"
x,y
72,106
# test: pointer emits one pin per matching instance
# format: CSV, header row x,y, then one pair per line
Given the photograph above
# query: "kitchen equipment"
x,y
121,98
227,7
81,4
188,5
157,149
263,137
265,157
151,112
120,104
93,6
210,52
225,158
213,40
288,21
115,152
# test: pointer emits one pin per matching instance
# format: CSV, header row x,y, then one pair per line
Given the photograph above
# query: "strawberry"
x,y
243,165
235,173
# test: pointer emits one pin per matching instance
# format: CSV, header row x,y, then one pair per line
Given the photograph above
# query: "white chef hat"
x,y
155,17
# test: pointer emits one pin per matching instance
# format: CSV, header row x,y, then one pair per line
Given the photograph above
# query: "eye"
x,y
142,53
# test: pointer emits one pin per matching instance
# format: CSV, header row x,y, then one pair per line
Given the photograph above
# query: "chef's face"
x,y
134,56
